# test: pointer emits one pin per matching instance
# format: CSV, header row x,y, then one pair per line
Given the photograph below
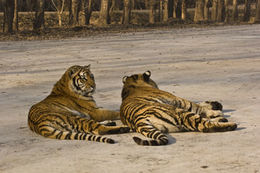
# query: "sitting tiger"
x,y
152,112
70,112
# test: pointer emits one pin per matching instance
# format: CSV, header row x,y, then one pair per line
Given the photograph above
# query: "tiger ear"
x,y
87,66
147,75
73,70
124,79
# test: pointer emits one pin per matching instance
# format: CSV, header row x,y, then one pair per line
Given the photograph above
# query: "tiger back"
x,y
153,112
70,112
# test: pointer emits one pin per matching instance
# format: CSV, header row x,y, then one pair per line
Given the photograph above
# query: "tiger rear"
x,y
70,111
152,112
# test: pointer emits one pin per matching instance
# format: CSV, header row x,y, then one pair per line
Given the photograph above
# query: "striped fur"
x,y
70,111
152,112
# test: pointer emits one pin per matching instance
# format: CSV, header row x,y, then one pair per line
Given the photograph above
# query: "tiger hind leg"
x,y
195,122
149,131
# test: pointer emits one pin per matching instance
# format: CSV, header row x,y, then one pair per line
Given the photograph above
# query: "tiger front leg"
x,y
204,110
103,115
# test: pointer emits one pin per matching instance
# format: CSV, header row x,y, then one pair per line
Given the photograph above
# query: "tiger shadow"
x,y
225,111
171,140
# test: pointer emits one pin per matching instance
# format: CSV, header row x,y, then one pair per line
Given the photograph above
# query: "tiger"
x,y
70,112
153,112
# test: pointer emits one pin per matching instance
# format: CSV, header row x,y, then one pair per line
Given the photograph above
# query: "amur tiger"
x,y
70,112
152,112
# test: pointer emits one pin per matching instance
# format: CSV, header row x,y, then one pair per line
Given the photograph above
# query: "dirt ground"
x,y
217,63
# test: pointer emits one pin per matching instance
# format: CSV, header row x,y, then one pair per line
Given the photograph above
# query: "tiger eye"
x,y
81,75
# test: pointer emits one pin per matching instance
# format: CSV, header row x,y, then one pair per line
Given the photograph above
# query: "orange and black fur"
x,y
70,111
152,112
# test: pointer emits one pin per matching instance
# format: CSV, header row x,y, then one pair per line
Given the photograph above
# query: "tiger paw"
x,y
213,105
228,126
232,127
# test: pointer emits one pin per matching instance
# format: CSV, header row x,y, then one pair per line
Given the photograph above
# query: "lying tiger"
x,y
70,111
153,112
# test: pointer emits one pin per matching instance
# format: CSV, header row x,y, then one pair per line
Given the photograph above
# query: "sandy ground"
x,y
220,63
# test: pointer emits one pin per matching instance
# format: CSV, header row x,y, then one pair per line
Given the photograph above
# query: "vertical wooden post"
x,y
184,10
247,10
206,10
15,20
165,11
39,15
199,11
220,11
257,17
152,11
104,13
8,16
214,10
126,12
235,11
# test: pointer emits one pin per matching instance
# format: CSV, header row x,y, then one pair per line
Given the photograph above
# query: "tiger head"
x,y
77,81
136,81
